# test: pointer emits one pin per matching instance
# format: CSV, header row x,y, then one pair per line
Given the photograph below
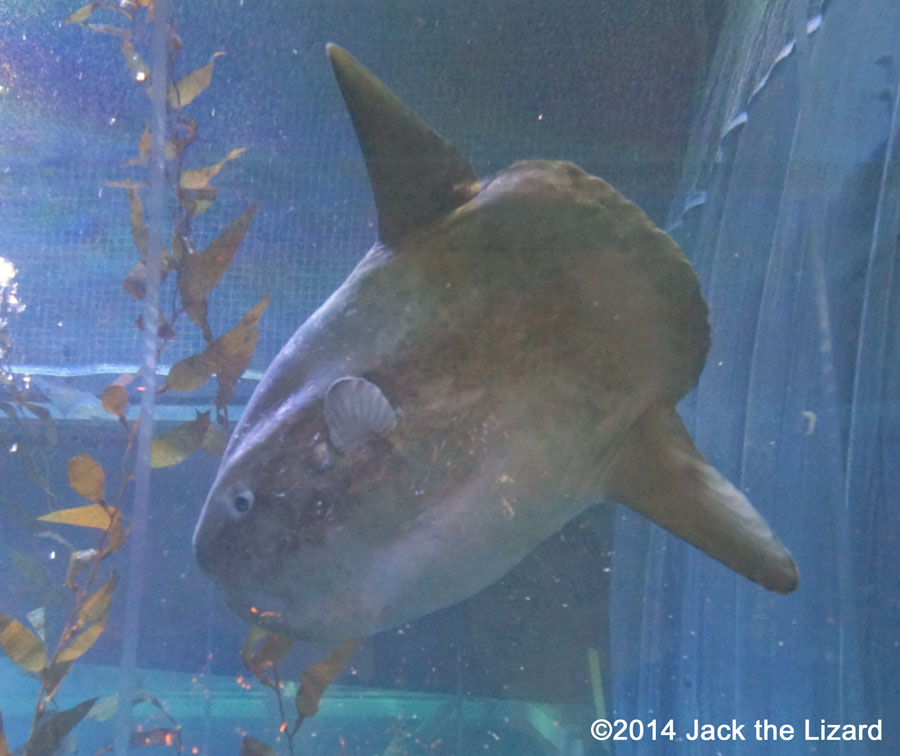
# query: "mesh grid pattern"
x,y
74,118
68,233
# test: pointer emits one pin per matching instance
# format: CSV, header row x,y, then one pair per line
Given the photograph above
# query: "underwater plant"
x,y
19,401
197,272
88,604
261,653
86,620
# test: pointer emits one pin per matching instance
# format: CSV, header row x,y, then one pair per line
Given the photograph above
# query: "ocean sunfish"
x,y
508,353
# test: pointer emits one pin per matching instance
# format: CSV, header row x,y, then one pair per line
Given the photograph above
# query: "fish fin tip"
x,y
661,474
335,53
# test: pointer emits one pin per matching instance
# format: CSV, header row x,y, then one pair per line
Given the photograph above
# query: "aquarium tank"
x,y
402,378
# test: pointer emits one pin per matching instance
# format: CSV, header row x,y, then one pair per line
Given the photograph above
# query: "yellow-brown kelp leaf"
x,y
198,201
198,179
183,91
143,145
234,350
227,357
4,747
176,445
255,634
52,677
96,608
90,623
214,441
180,250
164,329
252,747
135,282
22,646
83,641
187,130
273,649
126,184
114,31
86,477
81,15
192,372
200,272
140,71
46,737
139,230
88,516
115,399
314,679
116,535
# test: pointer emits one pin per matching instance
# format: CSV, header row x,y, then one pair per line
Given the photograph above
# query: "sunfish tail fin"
x,y
660,473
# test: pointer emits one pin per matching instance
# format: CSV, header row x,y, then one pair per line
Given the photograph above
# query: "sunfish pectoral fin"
x,y
355,411
660,473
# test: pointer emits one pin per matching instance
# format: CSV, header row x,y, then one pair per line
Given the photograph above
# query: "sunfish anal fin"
x,y
417,176
660,473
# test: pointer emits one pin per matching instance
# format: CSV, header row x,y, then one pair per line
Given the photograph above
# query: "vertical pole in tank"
x,y
156,224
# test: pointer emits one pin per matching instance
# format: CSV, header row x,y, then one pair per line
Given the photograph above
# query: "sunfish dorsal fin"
x,y
416,174
660,473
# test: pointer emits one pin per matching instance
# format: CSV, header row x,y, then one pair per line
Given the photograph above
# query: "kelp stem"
x,y
156,208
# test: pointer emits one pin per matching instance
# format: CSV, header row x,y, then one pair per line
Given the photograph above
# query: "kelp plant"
x,y
88,584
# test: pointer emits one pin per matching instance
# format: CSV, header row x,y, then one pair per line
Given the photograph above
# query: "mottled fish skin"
x,y
514,355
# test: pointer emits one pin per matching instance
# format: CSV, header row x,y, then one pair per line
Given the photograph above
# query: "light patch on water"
x,y
7,272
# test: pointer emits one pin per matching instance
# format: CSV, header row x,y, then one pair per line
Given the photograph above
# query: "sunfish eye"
x,y
242,502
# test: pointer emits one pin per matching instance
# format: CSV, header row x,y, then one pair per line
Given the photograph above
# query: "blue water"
x,y
774,165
